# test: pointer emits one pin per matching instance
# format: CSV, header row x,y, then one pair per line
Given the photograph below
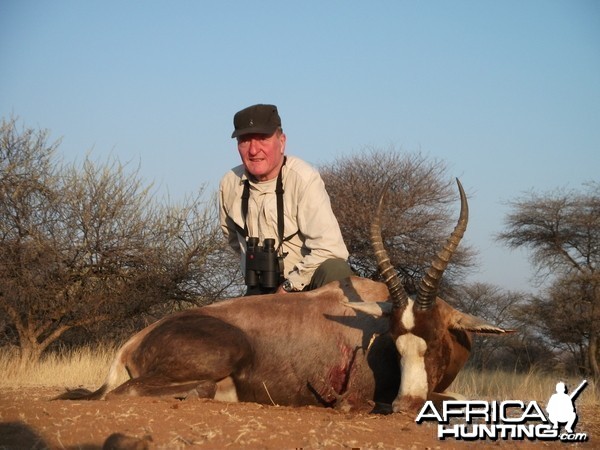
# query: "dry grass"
x,y
88,367
532,385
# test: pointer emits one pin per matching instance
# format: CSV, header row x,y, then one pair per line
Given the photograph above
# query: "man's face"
x,y
262,154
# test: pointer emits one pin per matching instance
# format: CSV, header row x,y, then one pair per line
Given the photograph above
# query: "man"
x,y
279,197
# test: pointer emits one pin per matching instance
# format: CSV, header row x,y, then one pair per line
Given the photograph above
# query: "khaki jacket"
x,y
307,212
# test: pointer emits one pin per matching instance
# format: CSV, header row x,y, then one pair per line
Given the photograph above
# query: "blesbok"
x,y
334,346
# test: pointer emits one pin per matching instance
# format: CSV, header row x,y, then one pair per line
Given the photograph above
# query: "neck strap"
x,y
280,215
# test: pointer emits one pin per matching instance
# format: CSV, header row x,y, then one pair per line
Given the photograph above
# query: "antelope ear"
x,y
375,309
467,322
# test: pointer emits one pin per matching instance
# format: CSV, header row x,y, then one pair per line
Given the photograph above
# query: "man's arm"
x,y
320,229
228,226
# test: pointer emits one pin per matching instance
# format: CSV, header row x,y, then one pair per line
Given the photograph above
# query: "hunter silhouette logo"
x,y
508,419
561,406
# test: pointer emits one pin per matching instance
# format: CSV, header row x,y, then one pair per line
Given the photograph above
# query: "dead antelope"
x,y
339,345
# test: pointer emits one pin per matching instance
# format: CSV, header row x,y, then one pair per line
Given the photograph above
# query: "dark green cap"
x,y
262,119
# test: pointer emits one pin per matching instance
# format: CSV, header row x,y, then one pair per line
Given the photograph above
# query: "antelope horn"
x,y
429,285
386,270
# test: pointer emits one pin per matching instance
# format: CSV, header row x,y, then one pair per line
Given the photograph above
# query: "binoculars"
x,y
263,267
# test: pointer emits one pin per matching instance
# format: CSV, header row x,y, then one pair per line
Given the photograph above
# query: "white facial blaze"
x,y
412,351
414,377
408,317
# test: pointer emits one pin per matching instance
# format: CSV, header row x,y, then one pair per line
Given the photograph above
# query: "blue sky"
x,y
506,93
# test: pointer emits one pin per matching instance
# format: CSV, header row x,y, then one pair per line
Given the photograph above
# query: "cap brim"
x,y
254,130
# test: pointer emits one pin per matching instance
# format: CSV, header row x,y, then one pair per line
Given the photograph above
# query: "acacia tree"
x,y
81,245
420,212
562,229
564,317
27,186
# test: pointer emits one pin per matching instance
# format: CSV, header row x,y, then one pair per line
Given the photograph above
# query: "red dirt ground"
x,y
29,420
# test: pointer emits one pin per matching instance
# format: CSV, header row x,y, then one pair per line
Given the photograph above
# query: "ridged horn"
x,y
429,285
386,270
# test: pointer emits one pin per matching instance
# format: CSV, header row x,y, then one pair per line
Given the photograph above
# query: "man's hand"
x,y
286,287
281,290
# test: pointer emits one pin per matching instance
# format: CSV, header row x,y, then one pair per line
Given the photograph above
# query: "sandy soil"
x,y
29,420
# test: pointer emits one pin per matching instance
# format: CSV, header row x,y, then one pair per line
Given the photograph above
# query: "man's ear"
x,y
283,140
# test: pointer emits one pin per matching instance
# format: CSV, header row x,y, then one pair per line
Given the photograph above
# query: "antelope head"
x,y
432,338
